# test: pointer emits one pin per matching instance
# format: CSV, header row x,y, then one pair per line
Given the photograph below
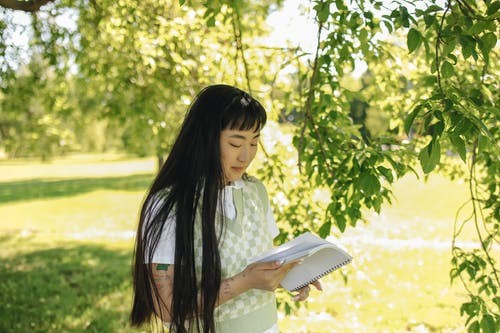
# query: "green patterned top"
x,y
245,236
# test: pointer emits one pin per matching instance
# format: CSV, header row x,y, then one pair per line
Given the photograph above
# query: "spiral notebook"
x,y
319,257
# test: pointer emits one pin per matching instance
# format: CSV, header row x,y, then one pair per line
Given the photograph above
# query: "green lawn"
x,y
66,245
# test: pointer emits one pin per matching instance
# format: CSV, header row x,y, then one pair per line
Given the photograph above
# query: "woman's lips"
x,y
238,169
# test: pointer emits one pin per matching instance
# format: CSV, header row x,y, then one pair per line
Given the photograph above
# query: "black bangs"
x,y
244,113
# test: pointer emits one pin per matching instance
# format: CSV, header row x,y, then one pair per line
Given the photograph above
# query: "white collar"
x,y
227,197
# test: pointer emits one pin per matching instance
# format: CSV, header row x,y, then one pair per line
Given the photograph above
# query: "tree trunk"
x,y
27,6
160,159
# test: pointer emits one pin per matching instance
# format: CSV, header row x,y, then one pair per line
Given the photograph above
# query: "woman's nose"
x,y
243,155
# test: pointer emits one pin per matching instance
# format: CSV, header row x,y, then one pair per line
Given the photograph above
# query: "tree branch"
x,y
438,42
26,6
308,116
237,31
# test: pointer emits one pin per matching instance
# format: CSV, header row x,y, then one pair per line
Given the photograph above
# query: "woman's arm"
x,y
265,276
163,278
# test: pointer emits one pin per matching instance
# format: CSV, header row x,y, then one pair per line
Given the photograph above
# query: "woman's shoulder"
x,y
252,181
256,184
159,195
156,200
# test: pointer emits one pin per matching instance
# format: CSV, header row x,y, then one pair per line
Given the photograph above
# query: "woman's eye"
x,y
253,144
235,146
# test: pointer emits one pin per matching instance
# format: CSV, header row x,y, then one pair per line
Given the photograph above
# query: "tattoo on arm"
x,y
226,288
161,276
162,267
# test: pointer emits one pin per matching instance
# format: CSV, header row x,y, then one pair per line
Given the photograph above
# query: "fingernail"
x,y
295,298
280,262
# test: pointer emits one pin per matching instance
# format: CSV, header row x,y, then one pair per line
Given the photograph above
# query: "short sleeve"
x,y
271,222
165,250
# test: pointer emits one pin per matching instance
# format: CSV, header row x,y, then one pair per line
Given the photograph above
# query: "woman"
x,y
202,219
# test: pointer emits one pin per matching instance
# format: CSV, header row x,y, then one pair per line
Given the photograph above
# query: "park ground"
x,y
66,240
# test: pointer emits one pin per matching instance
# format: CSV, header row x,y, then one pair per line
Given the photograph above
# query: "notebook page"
x,y
314,267
294,249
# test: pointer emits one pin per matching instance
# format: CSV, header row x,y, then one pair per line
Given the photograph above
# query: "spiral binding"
x,y
345,262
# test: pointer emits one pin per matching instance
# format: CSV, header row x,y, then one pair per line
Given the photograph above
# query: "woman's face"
x,y
237,149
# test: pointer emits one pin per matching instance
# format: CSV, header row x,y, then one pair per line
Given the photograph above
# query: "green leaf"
x,y
478,27
468,45
411,118
387,173
447,70
459,145
341,222
429,80
453,58
479,124
429,20
363,36
211,21
325,59
474,327
324,230
437,129
476,96
488,42
433,66
449,45
288,309
468,308
414,40
488,324
340,4
182,2
433,8
369,183
388,25
429,156
483,143
322,11
405,16
493,8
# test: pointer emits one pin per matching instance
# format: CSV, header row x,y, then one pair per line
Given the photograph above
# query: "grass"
x,y
65,235
64,287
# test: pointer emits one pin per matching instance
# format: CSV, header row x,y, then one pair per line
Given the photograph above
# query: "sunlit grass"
x,y
388,290
66,237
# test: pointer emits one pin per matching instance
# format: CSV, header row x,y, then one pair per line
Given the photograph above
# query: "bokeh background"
x,y
382,136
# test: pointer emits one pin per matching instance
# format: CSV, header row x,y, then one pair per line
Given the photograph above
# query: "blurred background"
x,y
381,136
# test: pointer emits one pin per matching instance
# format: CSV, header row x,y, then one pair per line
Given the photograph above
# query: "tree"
x,y
437,96
27,6
144,64
452,107
136,65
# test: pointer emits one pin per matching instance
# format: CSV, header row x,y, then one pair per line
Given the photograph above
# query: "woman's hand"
x,y
303,293
266,275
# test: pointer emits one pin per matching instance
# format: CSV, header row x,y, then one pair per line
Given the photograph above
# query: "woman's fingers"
x,y
268,265
268,275
303,294
318,285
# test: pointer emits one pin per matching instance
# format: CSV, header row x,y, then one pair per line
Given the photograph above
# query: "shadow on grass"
x,y
68,288
52,188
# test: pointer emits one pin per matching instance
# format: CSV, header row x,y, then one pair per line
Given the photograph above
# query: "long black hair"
x,y
191,178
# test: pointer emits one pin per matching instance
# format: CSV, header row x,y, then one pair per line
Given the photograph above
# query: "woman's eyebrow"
x,y
239,136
